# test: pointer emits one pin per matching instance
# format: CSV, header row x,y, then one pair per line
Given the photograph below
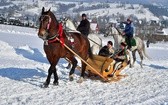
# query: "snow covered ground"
x,y
23,69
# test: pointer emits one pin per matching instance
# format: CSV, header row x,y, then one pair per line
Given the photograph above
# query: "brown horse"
x,y
52,33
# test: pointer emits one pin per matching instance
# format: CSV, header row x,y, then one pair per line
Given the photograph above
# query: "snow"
x,y
23,69
115,8
165,31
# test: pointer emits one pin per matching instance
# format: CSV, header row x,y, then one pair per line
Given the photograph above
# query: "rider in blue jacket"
x,y
128,32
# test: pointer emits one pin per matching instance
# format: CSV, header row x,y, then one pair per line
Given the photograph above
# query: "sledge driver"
x,y
120,56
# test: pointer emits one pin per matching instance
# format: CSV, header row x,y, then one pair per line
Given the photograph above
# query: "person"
x,y
147,43
107,50
119,56
84,26
110,47
128,32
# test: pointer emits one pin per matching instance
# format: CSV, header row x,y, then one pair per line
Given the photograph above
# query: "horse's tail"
x,y
144,52
90,53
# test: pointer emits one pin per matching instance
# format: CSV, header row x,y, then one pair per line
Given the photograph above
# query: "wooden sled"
x,y
105,66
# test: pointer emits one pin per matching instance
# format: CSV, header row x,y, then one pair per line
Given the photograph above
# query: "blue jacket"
x,y
129,31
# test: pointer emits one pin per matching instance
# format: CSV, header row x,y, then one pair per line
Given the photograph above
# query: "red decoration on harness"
x,y
60,31
48,25
52,41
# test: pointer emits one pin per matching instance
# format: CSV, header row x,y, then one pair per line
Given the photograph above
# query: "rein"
x,y
118,31
55,37
94,42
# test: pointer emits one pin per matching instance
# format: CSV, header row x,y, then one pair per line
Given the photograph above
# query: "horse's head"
x,y
68,24
108,30
48,25
112,30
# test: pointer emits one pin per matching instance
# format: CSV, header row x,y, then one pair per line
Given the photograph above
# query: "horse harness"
x,y
59,35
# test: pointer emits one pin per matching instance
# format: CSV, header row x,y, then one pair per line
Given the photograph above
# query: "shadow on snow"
x,y
155,66
25,75
36,55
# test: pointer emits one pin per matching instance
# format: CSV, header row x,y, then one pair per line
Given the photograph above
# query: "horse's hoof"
x,y
55,83
45,85
131,66
80,80
71,78
141,66
68,67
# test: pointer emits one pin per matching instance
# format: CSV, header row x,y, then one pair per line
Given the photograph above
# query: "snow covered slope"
x,y
23,69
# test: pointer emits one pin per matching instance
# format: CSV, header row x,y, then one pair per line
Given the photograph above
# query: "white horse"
x,y
118,38
94,39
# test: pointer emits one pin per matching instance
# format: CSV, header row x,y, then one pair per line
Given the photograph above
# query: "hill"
x,y
27,7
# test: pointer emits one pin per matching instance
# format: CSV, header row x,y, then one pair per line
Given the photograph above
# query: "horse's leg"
x,y
51,70
141,56
69,66
74,64
83,73
55,73
134,57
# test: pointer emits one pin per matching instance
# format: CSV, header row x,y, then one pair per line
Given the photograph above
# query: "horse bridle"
x,y
110,30
52,38
49,21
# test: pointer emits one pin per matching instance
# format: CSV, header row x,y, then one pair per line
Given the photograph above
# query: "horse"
x,y
118,38
55,39
94,39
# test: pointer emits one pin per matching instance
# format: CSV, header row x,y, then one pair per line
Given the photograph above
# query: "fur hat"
x,y
83,15
123,44
129,19
110,42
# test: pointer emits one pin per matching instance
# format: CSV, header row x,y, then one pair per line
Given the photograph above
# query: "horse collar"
x,y
55,37
51,40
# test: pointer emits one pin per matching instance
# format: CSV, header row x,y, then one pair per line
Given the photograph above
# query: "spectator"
x,y
147,43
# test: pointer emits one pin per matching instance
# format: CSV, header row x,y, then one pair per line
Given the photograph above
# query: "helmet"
x,y
83,15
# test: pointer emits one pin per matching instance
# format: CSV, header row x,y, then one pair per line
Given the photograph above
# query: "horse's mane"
x,y
53,17
118,30
71,25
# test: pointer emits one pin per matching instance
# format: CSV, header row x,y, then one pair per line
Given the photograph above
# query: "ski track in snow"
x,y
23,69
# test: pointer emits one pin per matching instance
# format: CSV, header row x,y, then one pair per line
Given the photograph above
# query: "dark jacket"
x,y
104,51
84,27
129,30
